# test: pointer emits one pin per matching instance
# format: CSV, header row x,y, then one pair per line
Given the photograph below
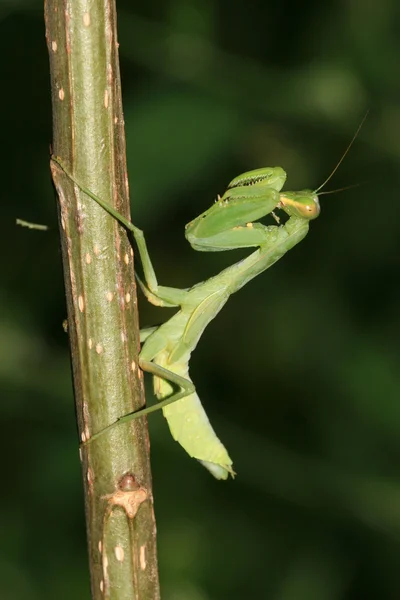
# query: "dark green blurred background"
x,y
300,371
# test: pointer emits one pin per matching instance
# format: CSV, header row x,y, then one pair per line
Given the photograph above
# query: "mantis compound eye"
x,y
311,209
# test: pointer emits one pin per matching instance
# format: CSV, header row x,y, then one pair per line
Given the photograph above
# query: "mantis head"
x,y
303,204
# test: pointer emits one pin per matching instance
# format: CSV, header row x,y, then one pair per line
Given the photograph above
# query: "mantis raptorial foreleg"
x,y
228,224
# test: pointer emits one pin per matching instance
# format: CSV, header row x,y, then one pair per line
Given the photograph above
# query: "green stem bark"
x,y
88,136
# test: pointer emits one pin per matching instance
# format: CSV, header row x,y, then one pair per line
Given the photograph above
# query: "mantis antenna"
x,y
341,160
343,189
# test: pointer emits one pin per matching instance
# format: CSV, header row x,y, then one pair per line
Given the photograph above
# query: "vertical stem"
x,y
88,135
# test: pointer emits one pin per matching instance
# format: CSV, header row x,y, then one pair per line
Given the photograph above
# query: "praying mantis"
x,y
230,223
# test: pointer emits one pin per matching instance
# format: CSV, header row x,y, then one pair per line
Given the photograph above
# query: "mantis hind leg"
x,y
186,388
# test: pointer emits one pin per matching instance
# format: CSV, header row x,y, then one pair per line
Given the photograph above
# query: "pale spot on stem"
x,y
99,348
83,437
127,297
142,557
126,259
54,46
61,93
109,296
106,99
81,303
119,553
109,74
90,343
89,476
100,546
102,586
86,19
88,258
133,366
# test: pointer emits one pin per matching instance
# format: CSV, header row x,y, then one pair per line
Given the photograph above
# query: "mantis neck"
x,y
278,241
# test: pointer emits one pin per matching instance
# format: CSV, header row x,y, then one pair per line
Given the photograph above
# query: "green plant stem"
x,y
88,135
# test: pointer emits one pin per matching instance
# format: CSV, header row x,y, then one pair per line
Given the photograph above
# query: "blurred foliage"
x,y
300,371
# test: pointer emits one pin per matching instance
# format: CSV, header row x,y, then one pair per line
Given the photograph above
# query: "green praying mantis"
x,y
230,223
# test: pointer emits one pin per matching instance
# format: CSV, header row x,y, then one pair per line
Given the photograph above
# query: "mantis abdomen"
x,y
189,424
